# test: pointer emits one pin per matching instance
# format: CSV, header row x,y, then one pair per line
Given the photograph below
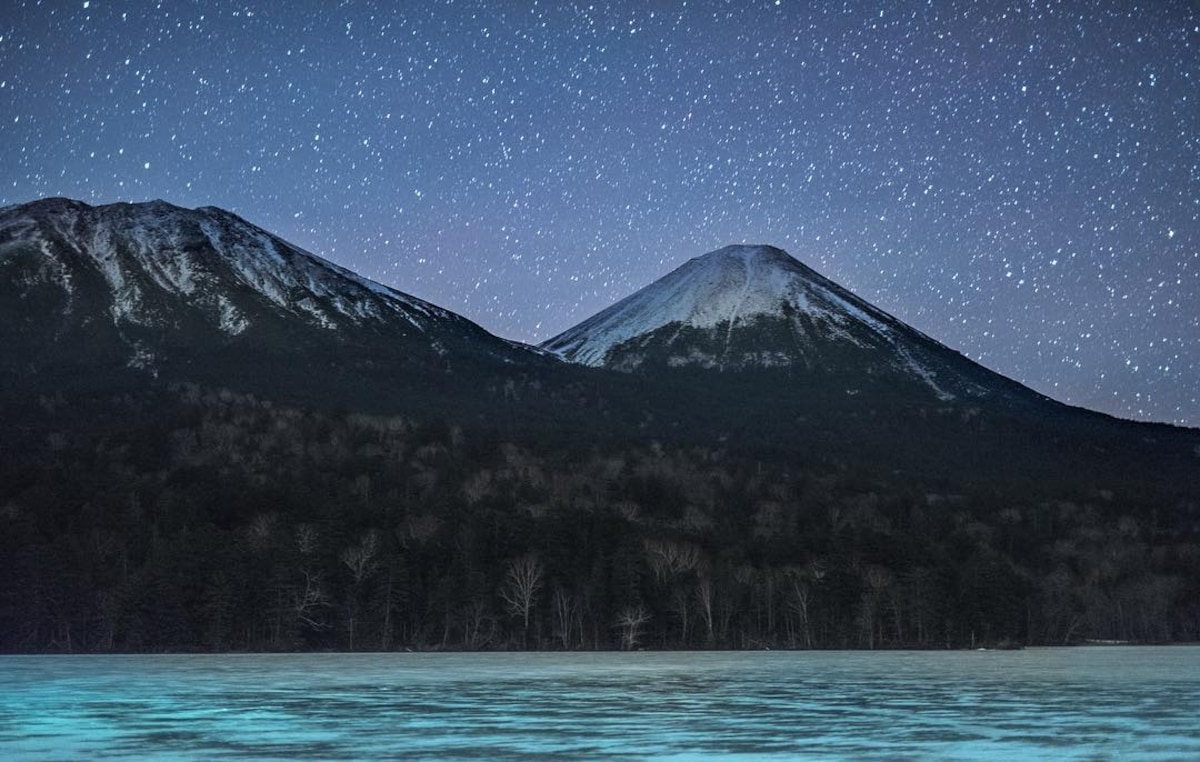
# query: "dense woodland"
x,y
211,520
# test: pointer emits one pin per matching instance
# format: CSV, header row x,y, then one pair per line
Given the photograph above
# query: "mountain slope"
x,y
755,307
204,295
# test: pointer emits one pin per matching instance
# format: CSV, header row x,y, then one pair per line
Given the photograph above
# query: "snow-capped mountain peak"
x,y
165,280
207,257
729,287
744,307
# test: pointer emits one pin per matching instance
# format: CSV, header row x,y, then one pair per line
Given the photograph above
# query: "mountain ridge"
x,y
163,231
159,261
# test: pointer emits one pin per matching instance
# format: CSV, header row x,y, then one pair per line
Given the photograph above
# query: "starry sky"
x,y
1018,180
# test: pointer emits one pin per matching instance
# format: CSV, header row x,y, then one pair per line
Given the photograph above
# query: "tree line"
x,y
211,520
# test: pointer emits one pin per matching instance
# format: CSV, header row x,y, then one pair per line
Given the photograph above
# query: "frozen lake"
x,y
1082,703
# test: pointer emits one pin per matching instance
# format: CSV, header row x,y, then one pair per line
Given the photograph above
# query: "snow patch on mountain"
x,y
55,271
127,296
924,373
142,358
231,319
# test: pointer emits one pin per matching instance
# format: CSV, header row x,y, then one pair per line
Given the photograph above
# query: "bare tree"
x,y
388,604
680,604
918,589
803,580
479,626
521,586
362,561
669,559
306,539
878,581
630,620
261,529
310,599
568,617
704,600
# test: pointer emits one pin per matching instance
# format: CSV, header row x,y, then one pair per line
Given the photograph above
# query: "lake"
x,y
1119,703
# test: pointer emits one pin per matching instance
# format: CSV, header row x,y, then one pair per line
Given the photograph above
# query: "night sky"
x,y
1020,181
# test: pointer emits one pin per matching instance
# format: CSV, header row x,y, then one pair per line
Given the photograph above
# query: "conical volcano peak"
x,y
755,306
734,287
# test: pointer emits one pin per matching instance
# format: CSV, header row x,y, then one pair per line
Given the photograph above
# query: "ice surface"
x,y
1061,704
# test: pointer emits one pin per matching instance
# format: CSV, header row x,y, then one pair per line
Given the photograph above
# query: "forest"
x,y
201,519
